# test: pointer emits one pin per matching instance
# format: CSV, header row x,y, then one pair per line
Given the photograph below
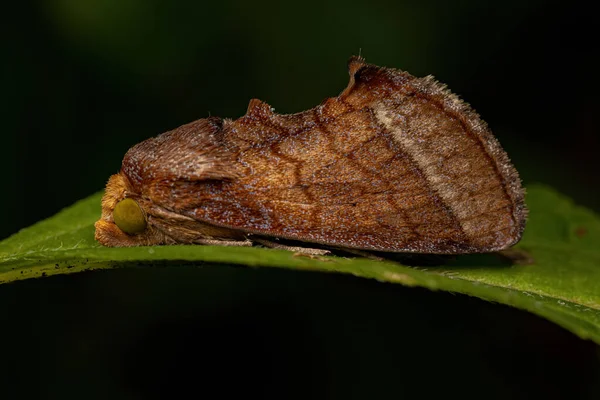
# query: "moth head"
x,y
124,220
143,204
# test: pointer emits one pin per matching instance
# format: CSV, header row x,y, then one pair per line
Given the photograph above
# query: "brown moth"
x,y
394,164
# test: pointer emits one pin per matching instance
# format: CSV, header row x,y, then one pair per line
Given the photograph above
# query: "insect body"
x,y
394,163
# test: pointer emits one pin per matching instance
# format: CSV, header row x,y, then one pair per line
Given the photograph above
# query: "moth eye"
x,y
129,217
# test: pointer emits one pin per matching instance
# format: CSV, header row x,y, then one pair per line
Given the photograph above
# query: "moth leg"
x,y
361,253
217,242
296,249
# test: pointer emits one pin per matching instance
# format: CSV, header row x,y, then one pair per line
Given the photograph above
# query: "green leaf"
x,y
561,284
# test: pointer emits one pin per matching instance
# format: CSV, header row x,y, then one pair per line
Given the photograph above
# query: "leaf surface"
x,y
562,282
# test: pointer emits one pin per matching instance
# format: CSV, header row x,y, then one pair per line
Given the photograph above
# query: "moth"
x,y
394,163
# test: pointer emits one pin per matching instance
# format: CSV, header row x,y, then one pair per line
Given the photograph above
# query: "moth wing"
x,y
395,163
190,153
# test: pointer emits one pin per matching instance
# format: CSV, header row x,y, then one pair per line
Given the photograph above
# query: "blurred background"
x,y
85,80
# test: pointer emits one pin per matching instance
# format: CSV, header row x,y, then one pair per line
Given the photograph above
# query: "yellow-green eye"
x,y
129,216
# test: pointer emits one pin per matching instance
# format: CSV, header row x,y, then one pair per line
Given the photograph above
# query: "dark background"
x,y
83,81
